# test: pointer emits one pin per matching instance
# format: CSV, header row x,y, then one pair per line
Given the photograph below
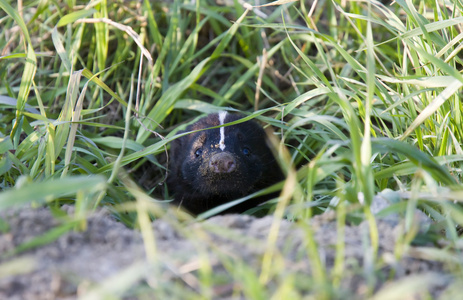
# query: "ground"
x,y
109,258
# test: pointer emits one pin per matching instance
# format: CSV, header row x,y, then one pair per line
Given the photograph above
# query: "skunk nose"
x,y
222,162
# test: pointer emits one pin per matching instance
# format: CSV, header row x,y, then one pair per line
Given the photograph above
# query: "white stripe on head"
x,y
222,116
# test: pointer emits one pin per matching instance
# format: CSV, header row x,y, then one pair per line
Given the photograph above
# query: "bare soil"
x,y
81,264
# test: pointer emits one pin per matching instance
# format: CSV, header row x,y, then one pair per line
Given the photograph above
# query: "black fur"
x,y
202,176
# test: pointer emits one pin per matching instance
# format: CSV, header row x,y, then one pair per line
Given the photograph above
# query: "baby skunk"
x,y
215,166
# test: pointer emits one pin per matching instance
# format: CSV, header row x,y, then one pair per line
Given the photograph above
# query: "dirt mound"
x,y
109,258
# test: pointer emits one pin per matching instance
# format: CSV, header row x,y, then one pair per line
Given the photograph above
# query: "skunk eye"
x,y
198,152
246,151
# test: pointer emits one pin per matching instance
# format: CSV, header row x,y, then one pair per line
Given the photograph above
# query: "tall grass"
x,y
364,97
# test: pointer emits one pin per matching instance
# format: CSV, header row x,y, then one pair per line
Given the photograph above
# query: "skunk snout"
x,y
222,162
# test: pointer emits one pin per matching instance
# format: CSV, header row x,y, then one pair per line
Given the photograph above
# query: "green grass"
x,y
363,97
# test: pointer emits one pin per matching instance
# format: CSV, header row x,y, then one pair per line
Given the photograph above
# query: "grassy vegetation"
x,y
363,97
